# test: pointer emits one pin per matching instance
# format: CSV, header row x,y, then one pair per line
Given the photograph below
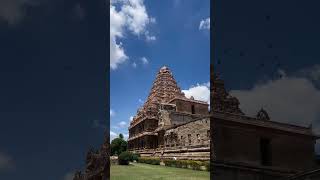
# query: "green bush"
x,y
140,160
124,158
207,165
135,157
169,162
179,163
118,145
153,161
195,165
185,163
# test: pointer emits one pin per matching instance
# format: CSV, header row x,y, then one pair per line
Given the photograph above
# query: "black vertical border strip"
x,y
106,3
212,55
101,16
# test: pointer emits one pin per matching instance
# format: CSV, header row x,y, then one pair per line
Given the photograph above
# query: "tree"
x,y
118,145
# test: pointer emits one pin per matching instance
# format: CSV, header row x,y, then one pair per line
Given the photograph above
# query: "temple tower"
x,y
165,107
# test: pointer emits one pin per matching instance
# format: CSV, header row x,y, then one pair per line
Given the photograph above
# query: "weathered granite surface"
x,y
167,119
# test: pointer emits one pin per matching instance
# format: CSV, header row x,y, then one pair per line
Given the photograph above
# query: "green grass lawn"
x,y
138,171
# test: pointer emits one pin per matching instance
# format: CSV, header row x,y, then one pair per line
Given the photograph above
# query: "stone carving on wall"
x,y
262,115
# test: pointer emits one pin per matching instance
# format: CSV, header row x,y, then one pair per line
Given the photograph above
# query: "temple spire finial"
x,y
164,69
263,115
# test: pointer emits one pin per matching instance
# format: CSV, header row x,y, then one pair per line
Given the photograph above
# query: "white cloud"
x,y
113,135
117,23
153,20
199,92
292,100
136,15
132,16
126,136
115,127
312,73
134,64
150,37
282,73
131,118
112,113
144,60
117,54
140,101
122,124
204,24
6,162
69,176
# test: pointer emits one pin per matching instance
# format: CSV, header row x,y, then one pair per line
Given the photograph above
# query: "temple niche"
x,y
169,124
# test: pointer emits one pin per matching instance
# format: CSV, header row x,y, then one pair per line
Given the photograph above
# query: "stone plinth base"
x,y
201,154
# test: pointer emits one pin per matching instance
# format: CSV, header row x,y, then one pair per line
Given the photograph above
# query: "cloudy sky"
x,y
53,86
146,35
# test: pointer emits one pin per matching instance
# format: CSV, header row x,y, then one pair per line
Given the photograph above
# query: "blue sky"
x,y
169,33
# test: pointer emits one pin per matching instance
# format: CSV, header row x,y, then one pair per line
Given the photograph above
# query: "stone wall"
x,y
177,118
164,118
188,141
241,143
186,106
192,134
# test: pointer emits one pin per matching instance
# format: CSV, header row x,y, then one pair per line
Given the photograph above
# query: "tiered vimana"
x,y
169,124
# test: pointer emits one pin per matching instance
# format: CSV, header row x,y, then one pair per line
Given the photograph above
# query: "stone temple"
x,y
170,125
257,148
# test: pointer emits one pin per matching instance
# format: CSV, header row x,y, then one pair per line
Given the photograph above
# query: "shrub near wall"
x,y
207,165
135,157
153,161
124,158
170,162
190,164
